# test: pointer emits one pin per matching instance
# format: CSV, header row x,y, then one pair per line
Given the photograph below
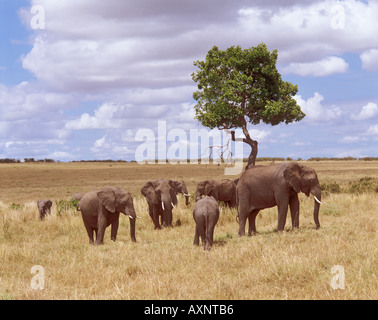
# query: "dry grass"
x,y
163,264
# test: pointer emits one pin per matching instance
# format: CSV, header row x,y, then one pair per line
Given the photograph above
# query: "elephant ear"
x,y
148,190
107,198
173,185
292,175
48,204
173,192
208,188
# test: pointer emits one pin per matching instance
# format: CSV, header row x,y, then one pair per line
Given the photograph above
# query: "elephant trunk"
x,y
132,229
132,218
167,206
186,194
198,195
317,202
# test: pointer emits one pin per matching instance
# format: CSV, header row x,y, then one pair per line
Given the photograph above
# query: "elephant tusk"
x,y
162,204
130,217
187,194
317,200
138,217
173,205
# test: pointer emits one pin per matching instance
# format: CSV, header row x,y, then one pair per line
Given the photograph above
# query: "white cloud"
x,y
89,47
60,155
315,111
133,60
351,153
372,130
111,147
369,111
27,100
369,60
321,68
352,139
107,116
307,32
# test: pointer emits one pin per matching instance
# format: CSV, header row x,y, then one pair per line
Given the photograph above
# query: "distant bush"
x,y
332,187
267,159
16,206
365,184
331,159
65,205
8,160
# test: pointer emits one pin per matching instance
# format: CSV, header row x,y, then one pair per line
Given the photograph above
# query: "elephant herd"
x,y
258,188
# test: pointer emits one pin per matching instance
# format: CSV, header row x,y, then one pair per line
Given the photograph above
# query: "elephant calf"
x,y
206,215
44,207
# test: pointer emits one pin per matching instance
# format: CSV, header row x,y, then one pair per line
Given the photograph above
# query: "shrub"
x,y
65,205
332,187
16,206
365,184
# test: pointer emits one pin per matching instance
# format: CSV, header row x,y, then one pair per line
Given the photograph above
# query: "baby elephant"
x,y
44,208
206,215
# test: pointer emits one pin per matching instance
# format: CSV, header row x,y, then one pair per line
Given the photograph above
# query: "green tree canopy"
x,y
237,87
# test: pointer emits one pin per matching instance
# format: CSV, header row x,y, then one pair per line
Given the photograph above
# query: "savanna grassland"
x,y
163,264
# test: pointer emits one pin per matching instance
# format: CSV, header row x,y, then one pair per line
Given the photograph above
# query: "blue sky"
x,y
82,83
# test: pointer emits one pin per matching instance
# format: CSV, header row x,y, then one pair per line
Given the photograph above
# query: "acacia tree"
x,y
237,87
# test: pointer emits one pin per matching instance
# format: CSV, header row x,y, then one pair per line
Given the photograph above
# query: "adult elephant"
x,y
278,185
161,198
101,208
44,207
224,190
180,187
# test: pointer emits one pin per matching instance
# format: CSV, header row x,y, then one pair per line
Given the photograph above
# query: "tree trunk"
x,y
252,143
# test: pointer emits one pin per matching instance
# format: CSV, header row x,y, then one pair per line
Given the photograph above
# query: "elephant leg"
x,y
282,213
89,230
101,226
151,211
200,231
170,218
294,211
167,218
243,211
252,222
196,237
155,217
90,234
210,235
114,230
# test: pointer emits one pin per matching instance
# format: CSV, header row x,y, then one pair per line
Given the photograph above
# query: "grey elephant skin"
x,y
77,196
44,207
206,215
262,187
224,190
161,198
180,187
102,207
